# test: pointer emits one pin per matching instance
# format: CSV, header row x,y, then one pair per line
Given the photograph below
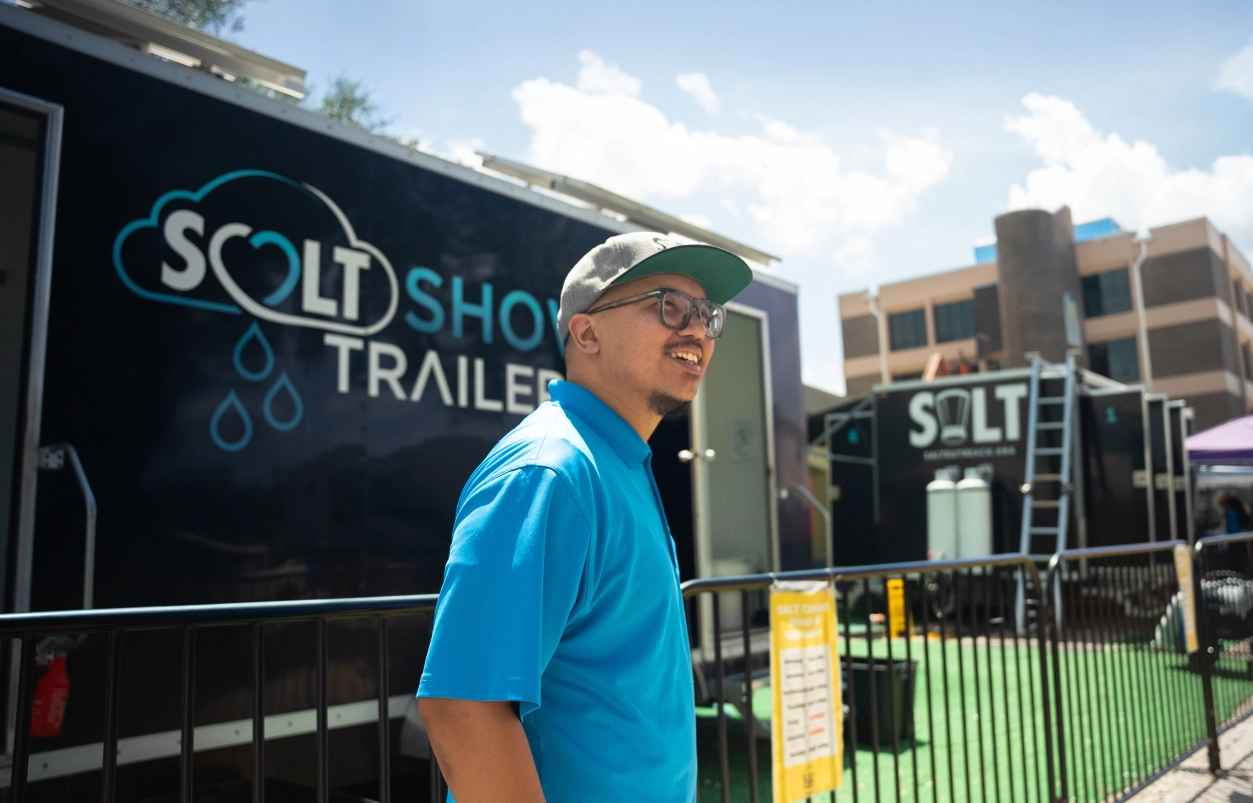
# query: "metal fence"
x,y
191,622
1224,593
953,708
992,681
1128,696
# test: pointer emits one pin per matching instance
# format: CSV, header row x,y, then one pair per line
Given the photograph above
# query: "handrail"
x,y
17,625
1114,551
748,582
1213,540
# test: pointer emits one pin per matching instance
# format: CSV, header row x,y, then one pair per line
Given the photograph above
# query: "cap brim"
x,y
720,273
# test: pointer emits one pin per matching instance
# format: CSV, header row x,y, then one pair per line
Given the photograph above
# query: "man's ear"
x,y
583,334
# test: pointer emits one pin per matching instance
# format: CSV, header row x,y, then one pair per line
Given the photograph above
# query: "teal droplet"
x,y
230,403
298,408
254,335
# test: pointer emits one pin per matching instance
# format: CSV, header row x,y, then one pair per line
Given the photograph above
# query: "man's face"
x,y
646,357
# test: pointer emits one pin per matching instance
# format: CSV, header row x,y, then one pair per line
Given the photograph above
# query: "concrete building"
x,y
1044,273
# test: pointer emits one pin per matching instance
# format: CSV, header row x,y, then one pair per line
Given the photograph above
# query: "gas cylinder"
x,y
974,512
942,516
52,692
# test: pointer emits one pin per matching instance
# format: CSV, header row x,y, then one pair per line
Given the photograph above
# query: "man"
x,y
559,668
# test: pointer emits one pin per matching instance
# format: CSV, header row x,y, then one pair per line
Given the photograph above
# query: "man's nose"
x,y
695,328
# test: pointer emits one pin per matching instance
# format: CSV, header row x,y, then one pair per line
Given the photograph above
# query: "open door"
x,y
733,477
30,139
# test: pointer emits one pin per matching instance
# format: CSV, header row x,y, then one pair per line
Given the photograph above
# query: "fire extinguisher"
x,y
52,692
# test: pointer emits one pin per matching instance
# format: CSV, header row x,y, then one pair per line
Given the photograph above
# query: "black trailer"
x,y
885,448
273,347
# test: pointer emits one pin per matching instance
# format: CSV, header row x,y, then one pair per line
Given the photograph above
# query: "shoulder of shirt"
x,y
552,438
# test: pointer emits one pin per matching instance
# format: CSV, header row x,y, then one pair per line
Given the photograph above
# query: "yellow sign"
x,y
1183,570
896,608
807,724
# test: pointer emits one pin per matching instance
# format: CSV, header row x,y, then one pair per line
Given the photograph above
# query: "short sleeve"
x,y
514,572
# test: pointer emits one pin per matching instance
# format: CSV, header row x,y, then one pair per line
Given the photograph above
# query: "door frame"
x,y
42,289
700,480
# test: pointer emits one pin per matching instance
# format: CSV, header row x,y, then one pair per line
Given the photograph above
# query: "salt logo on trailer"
x,y
210,231
957,416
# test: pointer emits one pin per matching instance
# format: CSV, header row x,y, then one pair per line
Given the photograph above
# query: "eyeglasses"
x,y
675,308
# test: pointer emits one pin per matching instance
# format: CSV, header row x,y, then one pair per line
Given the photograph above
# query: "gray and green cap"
x,y
624,257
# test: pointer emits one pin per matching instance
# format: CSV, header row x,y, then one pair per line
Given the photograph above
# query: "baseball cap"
x,y
624,257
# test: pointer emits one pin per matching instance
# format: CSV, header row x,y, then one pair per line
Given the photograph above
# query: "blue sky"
x,y
862,142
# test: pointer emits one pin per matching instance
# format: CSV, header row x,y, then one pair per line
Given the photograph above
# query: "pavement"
x,y
1191,781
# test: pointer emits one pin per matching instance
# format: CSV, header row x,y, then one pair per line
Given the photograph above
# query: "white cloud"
x,y
796,196
794,186
1100,175
697,85
599,77
1236,74
697,219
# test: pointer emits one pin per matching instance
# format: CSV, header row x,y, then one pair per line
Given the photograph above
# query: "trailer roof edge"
x,y
59,33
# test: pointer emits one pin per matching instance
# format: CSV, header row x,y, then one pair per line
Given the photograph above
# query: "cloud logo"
x,y
242,229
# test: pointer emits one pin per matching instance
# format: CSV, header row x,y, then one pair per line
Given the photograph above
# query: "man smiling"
x,y
559,668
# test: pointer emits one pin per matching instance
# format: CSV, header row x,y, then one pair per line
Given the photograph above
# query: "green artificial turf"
x,y
1128,711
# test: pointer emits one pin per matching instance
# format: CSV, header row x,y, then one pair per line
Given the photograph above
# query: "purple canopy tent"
x,y
1228,443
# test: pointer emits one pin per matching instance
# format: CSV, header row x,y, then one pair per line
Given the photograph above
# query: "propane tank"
x,y
974,511
52,692
942,516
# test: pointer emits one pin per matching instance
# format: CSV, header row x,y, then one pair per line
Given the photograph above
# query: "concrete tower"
x,y
1035,255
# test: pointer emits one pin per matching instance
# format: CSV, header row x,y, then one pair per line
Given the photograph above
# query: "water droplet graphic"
x,y
254,334
298,407
230,403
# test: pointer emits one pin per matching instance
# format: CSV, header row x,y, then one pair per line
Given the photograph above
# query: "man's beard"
x,y
667,406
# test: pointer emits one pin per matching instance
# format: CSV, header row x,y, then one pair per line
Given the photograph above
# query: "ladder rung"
x,y
1045,502
1051,400
1050,424
1044,530
1047,451
1048,477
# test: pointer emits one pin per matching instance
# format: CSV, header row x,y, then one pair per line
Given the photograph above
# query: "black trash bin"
x,y
894,681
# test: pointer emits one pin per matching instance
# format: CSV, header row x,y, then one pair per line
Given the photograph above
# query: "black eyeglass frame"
x,y
702,306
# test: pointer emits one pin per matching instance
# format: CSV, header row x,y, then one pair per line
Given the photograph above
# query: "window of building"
x,y
1248,305
1117,359
954,321
1247,356
1237,295
1106,293
907,330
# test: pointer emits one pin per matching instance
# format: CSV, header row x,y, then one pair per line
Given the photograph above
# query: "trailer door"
x,y
29,151
733,465
30,136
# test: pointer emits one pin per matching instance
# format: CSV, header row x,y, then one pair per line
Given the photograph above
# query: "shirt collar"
x,y
611,427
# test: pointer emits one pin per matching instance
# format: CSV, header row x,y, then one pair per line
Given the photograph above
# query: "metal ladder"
x,y
1040,421
1036,424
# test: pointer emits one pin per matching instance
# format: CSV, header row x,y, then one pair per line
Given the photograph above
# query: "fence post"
x,y
1206,658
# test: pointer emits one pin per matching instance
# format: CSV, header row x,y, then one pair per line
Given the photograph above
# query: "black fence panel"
x,y
946,698
41,635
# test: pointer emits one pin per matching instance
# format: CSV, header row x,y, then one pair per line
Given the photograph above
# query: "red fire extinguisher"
x,y
52,692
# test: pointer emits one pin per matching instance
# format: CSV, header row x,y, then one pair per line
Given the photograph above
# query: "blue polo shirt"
x,y
562,593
